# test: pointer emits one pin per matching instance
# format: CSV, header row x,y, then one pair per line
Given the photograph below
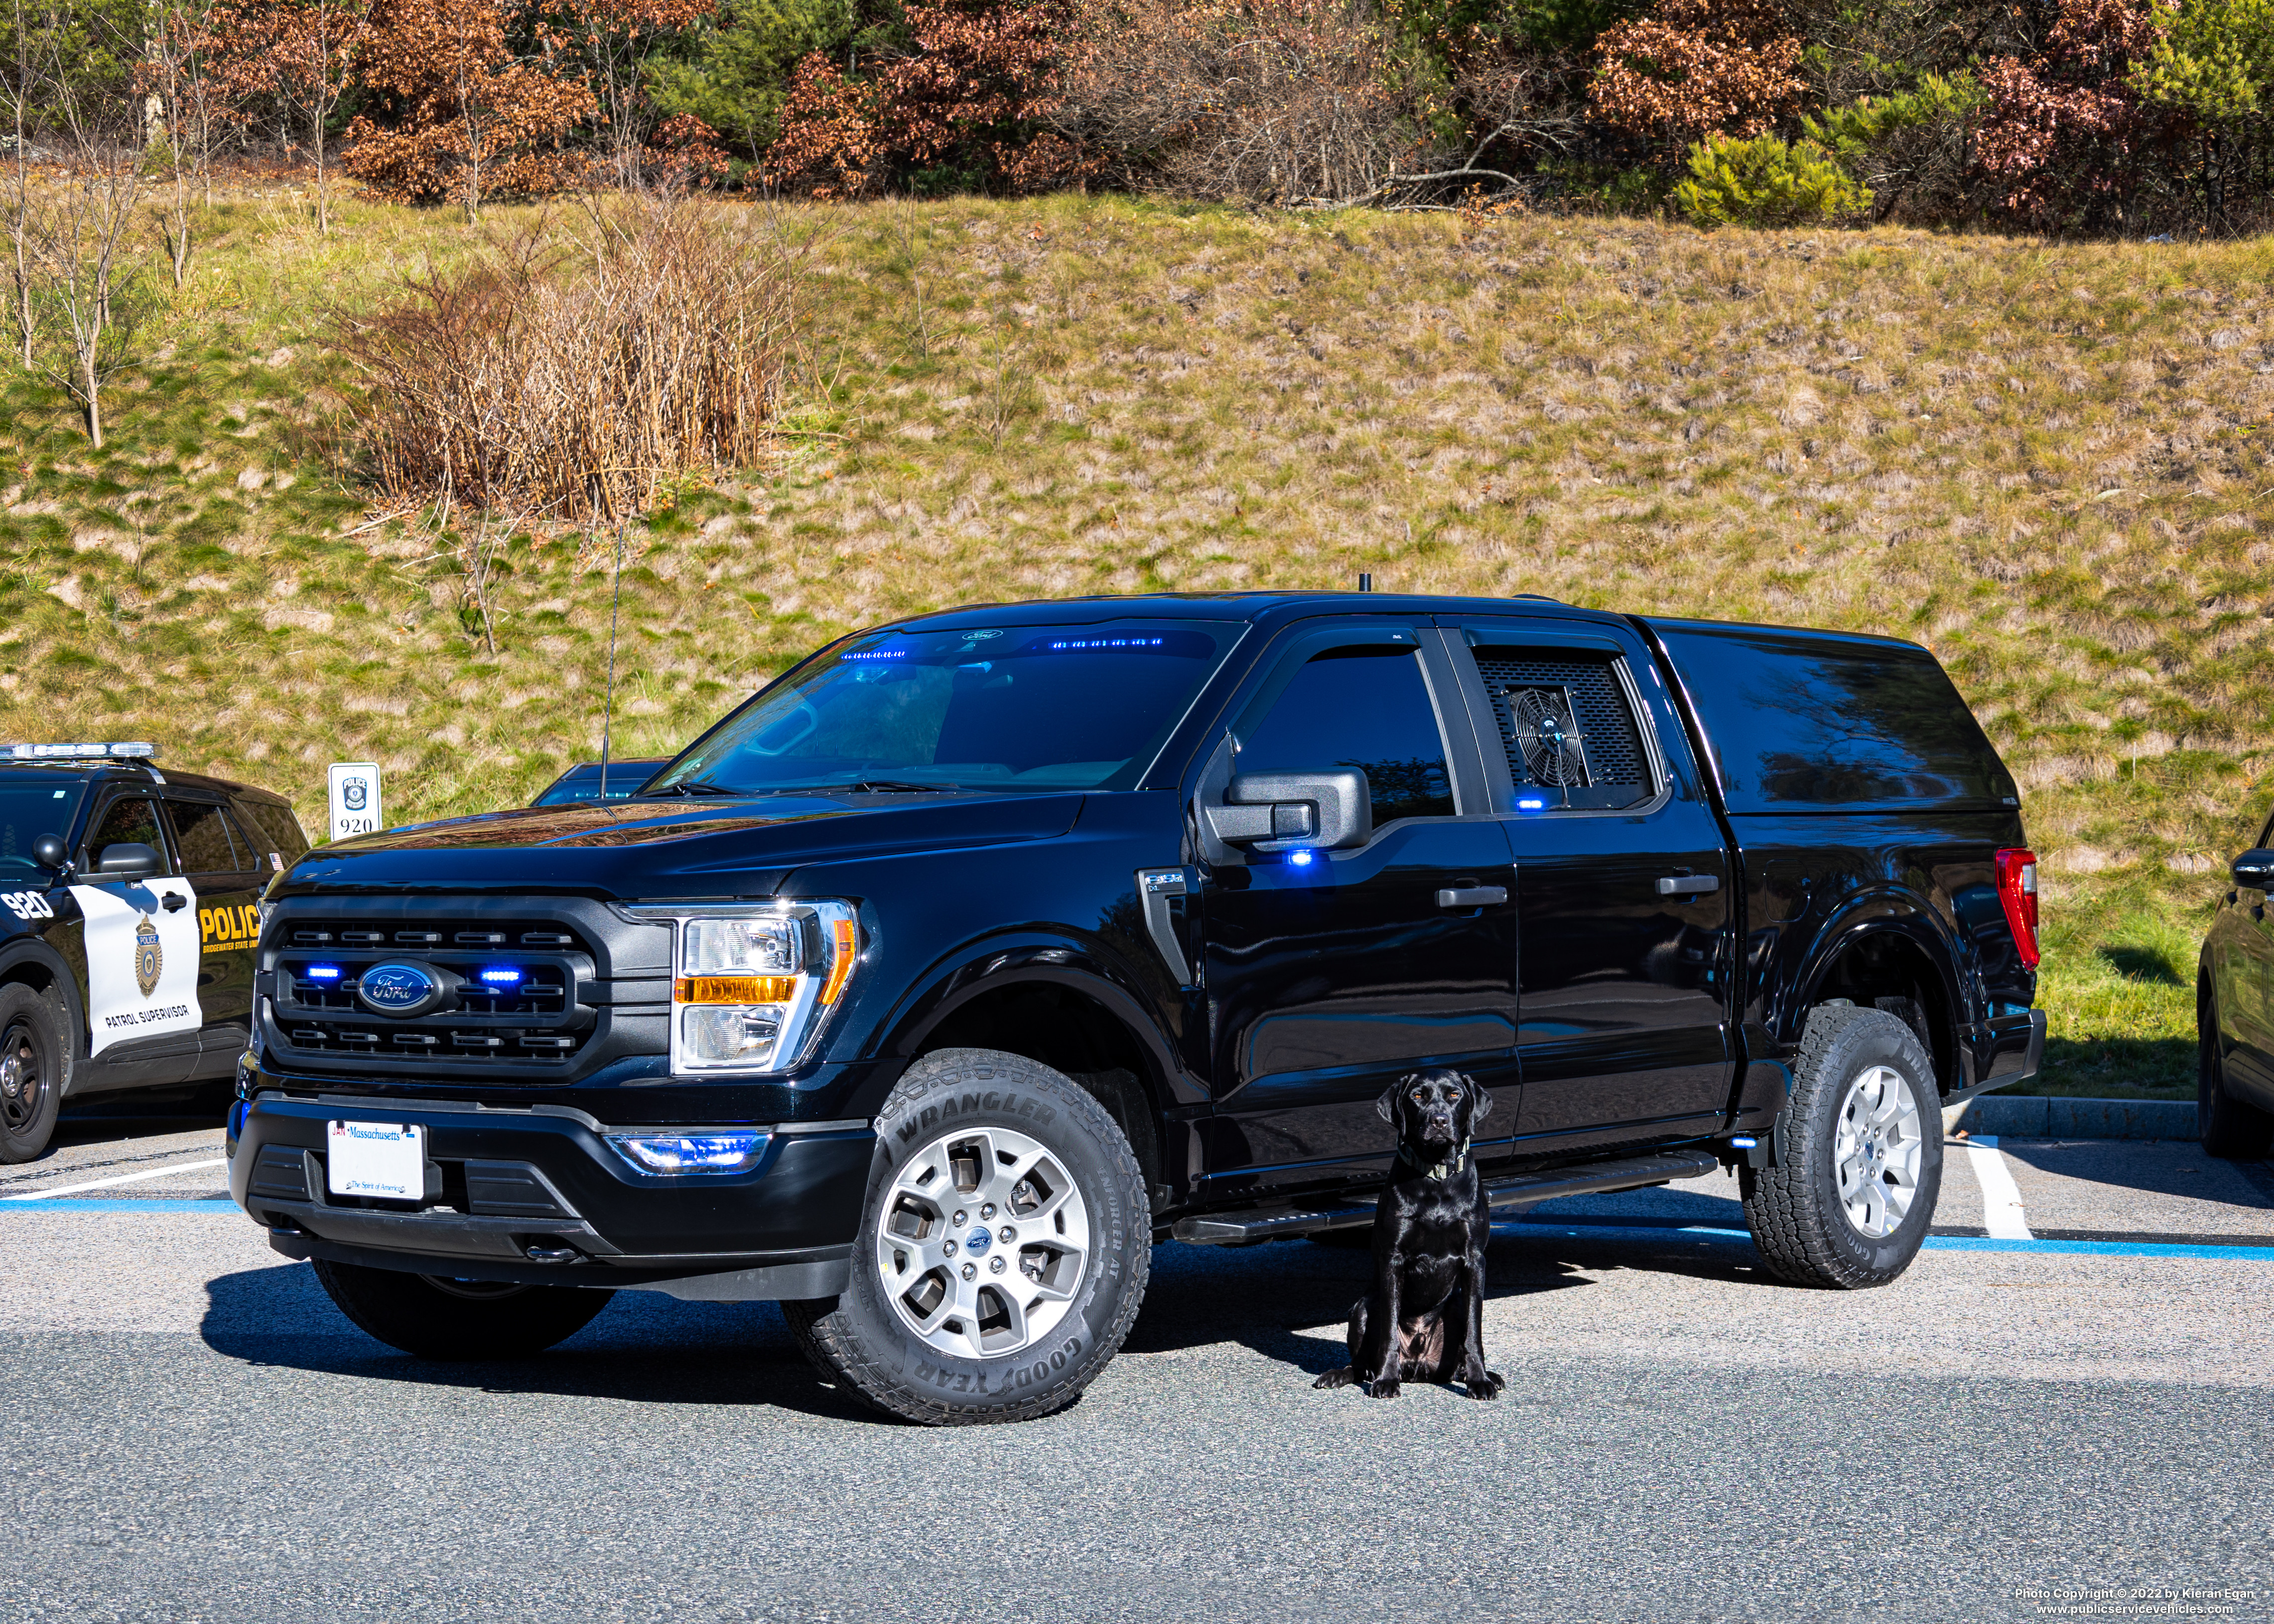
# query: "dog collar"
x,y
1441,1171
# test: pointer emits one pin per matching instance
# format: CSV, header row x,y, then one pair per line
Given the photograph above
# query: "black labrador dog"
x,y
1424,1319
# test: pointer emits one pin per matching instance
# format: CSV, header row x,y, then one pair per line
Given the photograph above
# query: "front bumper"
x,y
507,1189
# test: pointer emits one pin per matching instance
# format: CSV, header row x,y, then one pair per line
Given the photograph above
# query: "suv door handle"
x,y
1472,896
1688,884
175,902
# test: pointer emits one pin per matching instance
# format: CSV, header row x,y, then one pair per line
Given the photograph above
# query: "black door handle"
x,y
1472,896
175,902
1688,884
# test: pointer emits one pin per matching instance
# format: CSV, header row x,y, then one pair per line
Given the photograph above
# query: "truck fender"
x,y
1876,912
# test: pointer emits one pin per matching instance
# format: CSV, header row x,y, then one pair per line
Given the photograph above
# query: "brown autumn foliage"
x,y
2063,132
1288,101
1695,66
570,384
974,92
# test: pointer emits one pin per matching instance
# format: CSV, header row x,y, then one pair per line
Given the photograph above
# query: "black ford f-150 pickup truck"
x,y
977,953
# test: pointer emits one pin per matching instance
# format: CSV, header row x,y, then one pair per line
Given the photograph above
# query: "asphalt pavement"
x,y
2023,1427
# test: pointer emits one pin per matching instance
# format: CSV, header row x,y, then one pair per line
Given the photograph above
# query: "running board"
x,y
1524,1190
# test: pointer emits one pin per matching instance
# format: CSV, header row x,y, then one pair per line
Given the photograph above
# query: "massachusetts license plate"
x,y
384,1158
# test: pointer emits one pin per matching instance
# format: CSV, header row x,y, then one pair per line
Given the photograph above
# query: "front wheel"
x,y
1004,1247
2230,1130
31,1056
1850,1201
439,1318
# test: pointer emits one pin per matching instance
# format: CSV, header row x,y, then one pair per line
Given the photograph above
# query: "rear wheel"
x,y
437,1317
2230,1129
1850,1200
30,1072
1003,1248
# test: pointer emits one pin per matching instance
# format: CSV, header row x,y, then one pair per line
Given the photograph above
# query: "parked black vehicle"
x,y
127,927
2234,1014
980,952
615,780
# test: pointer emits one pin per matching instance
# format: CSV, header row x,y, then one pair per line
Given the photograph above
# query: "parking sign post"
x,y
355,799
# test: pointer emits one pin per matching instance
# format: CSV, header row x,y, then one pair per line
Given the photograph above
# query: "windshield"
x,y
1009,708
29,810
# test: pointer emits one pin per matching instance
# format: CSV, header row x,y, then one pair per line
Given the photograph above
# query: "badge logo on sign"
x,y
354,794
149,957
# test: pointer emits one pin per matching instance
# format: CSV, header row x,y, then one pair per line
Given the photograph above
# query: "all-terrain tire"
x,y
860,1338
2232,1130
34,1066
1799,1223
458,1319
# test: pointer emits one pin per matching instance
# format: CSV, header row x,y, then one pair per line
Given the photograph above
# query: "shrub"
x,y
2064,133
1285,100
1765,181
540,381
1696,66
971,96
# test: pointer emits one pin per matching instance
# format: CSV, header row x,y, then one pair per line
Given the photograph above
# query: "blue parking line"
x,y
71,1203
1631,1230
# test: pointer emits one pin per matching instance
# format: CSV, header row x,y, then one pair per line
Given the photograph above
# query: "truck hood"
x,y
667,849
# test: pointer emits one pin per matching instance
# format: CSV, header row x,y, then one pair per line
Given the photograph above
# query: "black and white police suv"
x,y
128,915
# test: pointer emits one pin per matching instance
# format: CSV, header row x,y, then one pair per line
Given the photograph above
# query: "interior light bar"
x,y
131,749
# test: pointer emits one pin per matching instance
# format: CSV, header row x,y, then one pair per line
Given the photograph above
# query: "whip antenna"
x,y
609,715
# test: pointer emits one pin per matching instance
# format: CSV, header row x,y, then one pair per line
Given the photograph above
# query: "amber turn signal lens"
x,y
733,989
845,942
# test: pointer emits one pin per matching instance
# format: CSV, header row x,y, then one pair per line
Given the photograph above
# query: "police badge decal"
x,y
149,957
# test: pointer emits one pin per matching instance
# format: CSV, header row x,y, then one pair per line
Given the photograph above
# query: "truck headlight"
x,y
752,986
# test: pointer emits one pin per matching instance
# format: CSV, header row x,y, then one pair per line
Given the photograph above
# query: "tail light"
x,y
2017,890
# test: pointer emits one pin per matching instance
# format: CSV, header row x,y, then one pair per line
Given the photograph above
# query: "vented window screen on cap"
x,y
1566,726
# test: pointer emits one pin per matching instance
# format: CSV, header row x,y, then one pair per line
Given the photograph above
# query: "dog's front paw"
x,y
1341,1378
1488,1385
1387,1387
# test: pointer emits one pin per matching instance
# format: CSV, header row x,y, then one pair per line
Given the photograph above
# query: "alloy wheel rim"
x,y
23,1082
1877,1150
982,1242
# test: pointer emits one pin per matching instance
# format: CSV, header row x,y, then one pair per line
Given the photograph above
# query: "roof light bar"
x,y
131,749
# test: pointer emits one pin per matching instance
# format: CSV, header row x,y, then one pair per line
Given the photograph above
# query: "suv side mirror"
x,y
128,860
1273,811
2255,869
49,852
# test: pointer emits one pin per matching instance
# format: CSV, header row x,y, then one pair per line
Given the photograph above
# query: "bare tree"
x,y
19,193
187,81
82,260
313,58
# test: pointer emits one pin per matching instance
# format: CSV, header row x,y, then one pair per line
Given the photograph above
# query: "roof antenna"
x,y
1365,583
608,715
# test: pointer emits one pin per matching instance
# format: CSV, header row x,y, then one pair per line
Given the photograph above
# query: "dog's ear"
x,y
1387,1106
1480,1101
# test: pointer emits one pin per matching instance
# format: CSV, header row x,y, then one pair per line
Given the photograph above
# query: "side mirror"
x,y
2255,869
49,852
1274,811
128,860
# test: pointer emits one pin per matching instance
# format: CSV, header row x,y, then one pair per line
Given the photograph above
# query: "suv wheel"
x,y
30,1072
2230,1129
438,1318
1004,1247
1851,1202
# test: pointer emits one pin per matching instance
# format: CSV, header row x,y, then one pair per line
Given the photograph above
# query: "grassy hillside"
x,y
2048,462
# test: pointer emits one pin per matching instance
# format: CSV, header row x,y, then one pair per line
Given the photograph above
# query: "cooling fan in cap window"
x,y
1548,737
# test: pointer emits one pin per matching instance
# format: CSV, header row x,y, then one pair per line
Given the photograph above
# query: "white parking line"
x,y
123,1178
2002,1212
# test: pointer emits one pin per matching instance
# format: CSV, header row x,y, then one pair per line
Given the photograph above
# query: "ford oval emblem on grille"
x,y
399,989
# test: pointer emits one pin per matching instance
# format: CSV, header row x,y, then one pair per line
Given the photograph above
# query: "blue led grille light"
x,y
691,1152
503,975
323,972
